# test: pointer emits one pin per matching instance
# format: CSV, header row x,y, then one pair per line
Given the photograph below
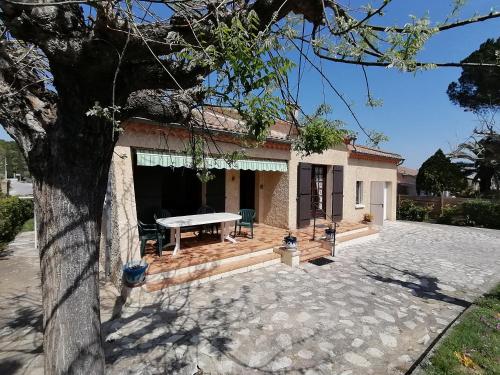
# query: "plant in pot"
x,y
290,241
330,232
134,272
367,218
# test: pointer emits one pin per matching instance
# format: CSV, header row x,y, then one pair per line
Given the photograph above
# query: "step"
x,y
214,273
162,265
314,253
354,236
353,231
205,266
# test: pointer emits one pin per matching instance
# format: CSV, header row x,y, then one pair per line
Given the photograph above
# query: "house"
x,y
151,171
407,181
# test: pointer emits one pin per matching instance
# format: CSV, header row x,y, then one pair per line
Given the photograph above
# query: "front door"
x,y
318,191
377,198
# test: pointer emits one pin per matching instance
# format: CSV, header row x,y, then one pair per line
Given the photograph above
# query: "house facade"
x,y
151,172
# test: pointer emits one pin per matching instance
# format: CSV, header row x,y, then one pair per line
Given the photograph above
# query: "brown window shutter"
x,y
338,193
304,195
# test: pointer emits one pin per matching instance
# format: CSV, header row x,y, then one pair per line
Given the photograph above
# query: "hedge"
x,y
482,213
13,213
408,210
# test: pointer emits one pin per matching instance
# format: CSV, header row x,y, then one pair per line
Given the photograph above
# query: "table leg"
x,y
222,231
229,238
177,240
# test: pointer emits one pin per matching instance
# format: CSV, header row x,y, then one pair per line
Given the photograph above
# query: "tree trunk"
x,y
69,193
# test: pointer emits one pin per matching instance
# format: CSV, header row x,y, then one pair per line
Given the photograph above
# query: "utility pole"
x,y
5,171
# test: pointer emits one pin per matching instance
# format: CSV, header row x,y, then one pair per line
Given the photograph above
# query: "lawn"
x,y
28,226
473,345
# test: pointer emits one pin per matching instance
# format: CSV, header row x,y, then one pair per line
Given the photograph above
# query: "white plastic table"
x,y
177,222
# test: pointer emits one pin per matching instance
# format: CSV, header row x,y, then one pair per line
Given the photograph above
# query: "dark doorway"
x,y
176,189
247,189
318,191
216,190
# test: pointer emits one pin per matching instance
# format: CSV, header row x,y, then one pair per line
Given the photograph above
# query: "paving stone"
x,y
380,304
356,359
388,340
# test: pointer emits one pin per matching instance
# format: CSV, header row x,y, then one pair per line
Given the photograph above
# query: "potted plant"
x,y
330,232
367,218
134,272
290,241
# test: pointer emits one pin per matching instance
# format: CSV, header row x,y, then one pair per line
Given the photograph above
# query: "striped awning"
x,y
148,158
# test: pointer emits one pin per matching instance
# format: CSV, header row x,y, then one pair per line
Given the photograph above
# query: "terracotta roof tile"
x,y
373,151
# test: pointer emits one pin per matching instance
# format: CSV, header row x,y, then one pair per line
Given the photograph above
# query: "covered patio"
x,y
206,258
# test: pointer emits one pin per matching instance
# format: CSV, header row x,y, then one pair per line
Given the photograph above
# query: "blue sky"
x,y
416,115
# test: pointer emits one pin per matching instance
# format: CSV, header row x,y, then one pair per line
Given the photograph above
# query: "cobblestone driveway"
x,y
374,310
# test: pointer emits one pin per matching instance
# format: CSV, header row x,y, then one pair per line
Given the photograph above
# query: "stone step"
x,y
314,253
356,235
188,269
214,273
353,231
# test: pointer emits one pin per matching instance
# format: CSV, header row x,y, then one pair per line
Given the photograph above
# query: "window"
x,y
359,192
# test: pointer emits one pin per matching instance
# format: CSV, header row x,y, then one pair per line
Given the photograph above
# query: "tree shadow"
x,y
178,334
422,286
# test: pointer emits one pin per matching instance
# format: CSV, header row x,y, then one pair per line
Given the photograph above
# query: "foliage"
x,y
478,88
14,212
368,217
317,133
482,213
438,174
450,215
248,71
408,210
15,159
473,345
375,138
480,158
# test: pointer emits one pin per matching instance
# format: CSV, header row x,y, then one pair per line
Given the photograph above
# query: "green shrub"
x,y
13,213
451,215
482,213
408,210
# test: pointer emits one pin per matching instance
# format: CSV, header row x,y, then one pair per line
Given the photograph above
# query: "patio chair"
x,y
207,210
247,219
165,232
149,232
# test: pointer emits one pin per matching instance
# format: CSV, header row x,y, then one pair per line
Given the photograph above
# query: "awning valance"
x,y
148,158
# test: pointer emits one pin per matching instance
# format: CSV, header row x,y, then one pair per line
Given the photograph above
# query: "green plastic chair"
x,y
148,232
163,233
247,219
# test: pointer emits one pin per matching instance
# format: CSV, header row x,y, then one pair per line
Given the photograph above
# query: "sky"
x,y
416,113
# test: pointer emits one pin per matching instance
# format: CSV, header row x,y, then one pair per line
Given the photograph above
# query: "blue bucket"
x,y
134,272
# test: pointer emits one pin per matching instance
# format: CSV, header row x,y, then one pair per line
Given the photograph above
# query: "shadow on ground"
x,y
421,285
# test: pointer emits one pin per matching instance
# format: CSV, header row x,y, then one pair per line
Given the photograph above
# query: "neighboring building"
x,y
150,171
407,181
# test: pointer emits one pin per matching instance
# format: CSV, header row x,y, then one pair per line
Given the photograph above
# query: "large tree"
x,y
438,175
72,70
478,88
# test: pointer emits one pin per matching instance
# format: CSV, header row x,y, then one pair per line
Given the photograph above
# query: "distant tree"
x,y
15,160
438,174
480,158
478,88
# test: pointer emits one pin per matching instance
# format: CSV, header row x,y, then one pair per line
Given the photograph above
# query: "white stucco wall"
x,y
368,171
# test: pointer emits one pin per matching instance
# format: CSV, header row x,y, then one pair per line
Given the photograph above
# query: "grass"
x,y
473,345
28,226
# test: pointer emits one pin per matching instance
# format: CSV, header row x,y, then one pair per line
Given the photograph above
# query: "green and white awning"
x,y
148,158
